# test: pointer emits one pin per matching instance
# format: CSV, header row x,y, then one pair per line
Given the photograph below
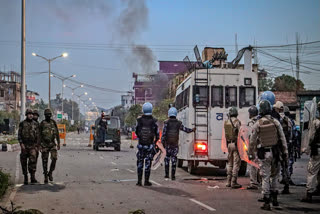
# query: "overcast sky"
x,y
108,40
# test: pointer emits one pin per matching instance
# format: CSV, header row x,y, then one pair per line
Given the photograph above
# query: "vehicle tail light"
x,y
201,148
118,132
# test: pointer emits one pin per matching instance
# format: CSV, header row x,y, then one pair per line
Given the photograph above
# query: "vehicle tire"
x,y
243,168
180,163
117,148
191,167
222,164
94,147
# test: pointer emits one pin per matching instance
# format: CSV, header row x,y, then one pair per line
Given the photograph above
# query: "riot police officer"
x,y
170,140
314,162
148,134
269,142
232,127
28,137
49,133
102,125
253,171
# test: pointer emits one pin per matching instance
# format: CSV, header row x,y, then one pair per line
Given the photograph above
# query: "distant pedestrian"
x,y
148,134
170,140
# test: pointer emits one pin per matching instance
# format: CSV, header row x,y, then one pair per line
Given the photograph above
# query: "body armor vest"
x,y
48,132
231,130
173,128
147,130
268,133
29,132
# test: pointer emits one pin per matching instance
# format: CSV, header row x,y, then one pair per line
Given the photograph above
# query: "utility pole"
x,y
236,43
297,60
23,59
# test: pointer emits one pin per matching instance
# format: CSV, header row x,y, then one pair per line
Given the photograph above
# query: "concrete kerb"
x,y
11,148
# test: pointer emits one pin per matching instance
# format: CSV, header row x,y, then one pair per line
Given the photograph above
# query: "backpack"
x,y
231,131
268,133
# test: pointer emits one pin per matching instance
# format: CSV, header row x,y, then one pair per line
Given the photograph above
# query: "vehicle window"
x,y
200,95
186,94
113,123
217,96
231,96
247,96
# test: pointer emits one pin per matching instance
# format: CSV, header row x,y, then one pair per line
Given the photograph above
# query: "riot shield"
x,y
159,156
243,145
309,114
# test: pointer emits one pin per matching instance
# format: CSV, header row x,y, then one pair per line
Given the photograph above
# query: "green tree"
x,y
287,83
120,112
132,115
265,84
160,111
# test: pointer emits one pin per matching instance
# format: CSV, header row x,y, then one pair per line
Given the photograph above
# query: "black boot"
x,y
266,205
33,178
45,177
173,173
274,196
285,190
26,179
146,180
50,176
166,169
139,183
307,198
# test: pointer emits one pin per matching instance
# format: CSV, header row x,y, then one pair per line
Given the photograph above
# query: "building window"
x,y
217,96
200,95
231,96
1,93
247,96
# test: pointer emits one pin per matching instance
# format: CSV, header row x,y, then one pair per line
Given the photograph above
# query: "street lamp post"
x,y
85,93
63,85
73,89
49,62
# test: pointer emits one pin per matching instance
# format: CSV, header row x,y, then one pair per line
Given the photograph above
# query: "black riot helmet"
x,y
253,111
264,107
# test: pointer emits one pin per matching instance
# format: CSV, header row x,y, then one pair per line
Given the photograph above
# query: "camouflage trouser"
x,y
45,158
145,154
28,159
234,160
172,152
269,171
253,175
313,173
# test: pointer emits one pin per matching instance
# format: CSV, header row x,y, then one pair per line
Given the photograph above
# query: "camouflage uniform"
x,y
170,140
48,134
28,135
268,158
314,162
253,171
148,133
234,160
35,112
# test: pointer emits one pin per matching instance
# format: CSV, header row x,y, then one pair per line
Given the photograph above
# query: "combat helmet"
x,y
233,112
36,112
29,111
253,111
47,112
264,107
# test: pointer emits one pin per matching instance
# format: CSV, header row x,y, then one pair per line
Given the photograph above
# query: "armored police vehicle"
x,y
112,137
202,100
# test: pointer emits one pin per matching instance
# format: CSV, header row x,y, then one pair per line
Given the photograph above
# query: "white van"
x,y
202,100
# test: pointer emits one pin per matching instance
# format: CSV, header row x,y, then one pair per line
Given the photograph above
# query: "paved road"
x,y
87,181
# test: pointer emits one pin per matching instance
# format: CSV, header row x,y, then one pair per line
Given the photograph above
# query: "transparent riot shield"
x,y
309,114
159,156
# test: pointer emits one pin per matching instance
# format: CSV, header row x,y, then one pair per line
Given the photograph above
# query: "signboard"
x,y
59,116
72,122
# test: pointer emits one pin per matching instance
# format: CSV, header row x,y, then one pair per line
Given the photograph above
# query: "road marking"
x,y
14,191
130,170
113,170
155,183
101,157
113,163
202,204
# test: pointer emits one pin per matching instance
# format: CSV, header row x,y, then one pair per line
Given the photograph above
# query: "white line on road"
x,y
113,163
101,157
113,170
155,183
202,204
130,170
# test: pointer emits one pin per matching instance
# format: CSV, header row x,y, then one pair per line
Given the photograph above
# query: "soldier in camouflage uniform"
x,y
313,176
35,118
28,137
232,127
269,143
48,134
148,134
170,140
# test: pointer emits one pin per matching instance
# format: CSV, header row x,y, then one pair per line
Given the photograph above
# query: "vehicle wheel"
x,y
180,163
243,168
94,147
222,164
117,148
191,167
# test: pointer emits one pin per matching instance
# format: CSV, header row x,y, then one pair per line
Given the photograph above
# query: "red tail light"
x,y
118,132
201,148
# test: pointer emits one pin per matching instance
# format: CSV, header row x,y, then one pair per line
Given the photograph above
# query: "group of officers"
x,y
35,137
273,146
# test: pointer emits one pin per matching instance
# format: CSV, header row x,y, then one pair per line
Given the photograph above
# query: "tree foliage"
x,y
120,112
287,83
265,84
160,111
132,115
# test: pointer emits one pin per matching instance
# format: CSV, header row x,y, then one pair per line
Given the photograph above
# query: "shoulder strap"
x,y
232,123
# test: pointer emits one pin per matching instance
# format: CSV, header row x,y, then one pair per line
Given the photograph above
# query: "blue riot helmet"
x,y
147,108
298,128
268,95
172,112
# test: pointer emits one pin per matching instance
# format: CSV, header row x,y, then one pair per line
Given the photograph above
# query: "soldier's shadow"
x,y
51,187
170,191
